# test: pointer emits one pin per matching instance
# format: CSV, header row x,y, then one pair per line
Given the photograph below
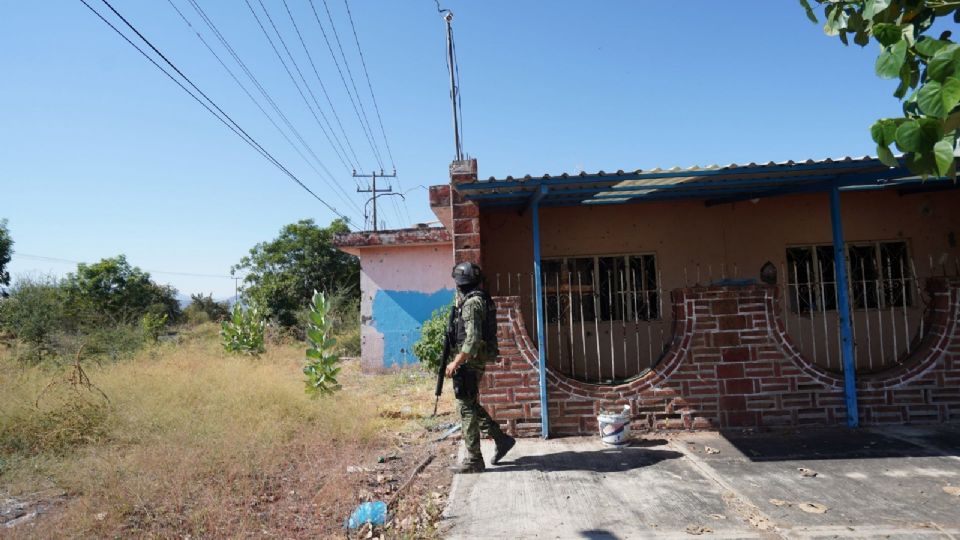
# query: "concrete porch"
x,y
874,483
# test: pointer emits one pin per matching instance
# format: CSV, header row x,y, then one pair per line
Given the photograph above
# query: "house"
x,y
404,277
776,294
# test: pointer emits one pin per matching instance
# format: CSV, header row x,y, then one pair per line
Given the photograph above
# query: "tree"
x,y
205,308
6,251
282,274
112,291
928,130
33,312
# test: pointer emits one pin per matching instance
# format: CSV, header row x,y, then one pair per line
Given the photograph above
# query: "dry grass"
x,y
193,441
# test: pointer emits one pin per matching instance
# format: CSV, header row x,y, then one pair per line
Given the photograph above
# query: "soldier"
x,y
476,342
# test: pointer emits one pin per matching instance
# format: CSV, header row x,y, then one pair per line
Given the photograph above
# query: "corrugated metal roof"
x,y
717,182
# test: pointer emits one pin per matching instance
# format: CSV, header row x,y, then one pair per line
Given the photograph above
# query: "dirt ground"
x,y
412,474
305,482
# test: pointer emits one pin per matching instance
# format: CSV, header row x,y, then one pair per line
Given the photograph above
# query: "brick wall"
x,y
731,364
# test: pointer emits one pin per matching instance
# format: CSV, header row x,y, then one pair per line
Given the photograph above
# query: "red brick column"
x,y
466,215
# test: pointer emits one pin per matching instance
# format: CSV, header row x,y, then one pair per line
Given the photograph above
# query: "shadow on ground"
x,y
607,460
599,534
844,443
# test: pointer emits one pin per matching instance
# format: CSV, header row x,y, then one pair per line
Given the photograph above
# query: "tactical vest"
x,y
489,322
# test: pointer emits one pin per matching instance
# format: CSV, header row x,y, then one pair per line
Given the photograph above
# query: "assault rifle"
x,y
449,339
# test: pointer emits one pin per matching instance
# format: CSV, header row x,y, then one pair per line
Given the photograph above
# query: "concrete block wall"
x,y
731,364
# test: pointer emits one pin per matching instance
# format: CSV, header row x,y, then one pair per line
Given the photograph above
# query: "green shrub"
x,y
429,347
205,309
321,369
33,314
243,332
152,325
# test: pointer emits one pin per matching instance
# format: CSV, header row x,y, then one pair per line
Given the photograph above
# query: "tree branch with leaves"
x,y
928,70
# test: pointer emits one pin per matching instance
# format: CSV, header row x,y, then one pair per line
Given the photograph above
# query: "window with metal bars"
x,y
610,288
878,274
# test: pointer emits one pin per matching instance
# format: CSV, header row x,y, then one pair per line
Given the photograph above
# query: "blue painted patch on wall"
x,y
398,316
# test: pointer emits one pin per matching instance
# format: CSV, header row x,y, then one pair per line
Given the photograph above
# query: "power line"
x,y
376,108
293,79
234,127
226,44
365,122
331,137
247,92
167,272
369,85
394,204
319,80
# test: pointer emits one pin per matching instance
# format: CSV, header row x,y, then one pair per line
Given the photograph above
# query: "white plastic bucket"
x,y
614,429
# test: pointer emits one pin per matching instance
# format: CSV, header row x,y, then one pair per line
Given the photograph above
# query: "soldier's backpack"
x,y
489,320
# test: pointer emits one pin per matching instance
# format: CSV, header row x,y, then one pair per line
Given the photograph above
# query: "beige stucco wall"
x,y
731,240
745,234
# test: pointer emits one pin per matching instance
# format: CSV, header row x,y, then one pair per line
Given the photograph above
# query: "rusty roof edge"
x,y
393,238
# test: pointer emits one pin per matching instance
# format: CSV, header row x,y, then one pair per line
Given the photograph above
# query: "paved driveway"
x,y
868,484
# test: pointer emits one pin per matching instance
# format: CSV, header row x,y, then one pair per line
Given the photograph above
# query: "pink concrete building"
x,y
404,277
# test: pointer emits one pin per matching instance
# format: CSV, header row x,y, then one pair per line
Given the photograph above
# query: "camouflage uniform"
x,y
473,416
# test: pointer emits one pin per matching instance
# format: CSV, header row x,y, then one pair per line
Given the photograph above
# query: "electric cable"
x,y
234,127
165,272
292,78
365,122
323,87
369,85
266,95
245,90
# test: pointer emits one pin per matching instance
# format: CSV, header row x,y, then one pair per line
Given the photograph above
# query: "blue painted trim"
x,y
843,308
538,289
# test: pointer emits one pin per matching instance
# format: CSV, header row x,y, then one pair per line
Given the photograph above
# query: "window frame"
x,y
873,292
650,311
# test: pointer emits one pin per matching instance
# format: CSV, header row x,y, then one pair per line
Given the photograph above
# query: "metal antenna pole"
x,y
373,190
454,91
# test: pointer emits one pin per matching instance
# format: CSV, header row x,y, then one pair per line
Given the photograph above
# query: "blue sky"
x,y
101,154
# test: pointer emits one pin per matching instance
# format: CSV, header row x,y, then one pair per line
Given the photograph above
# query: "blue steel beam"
x,y
843,307
538,290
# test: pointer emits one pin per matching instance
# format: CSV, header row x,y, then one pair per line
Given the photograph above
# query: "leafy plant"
x,y
321,369
927,132
243,332
429,347
152,325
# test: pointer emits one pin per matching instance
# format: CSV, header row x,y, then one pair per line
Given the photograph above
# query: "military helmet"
x,y
466,274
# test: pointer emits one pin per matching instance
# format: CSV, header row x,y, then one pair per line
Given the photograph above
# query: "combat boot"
x,y
504,444
469,467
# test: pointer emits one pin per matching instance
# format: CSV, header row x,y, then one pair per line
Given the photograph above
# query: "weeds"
x,y
195,442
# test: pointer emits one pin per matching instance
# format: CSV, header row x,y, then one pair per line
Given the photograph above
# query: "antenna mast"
x,y
454,90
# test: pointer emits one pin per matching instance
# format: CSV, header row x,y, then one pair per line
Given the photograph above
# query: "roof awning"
x,y
716,184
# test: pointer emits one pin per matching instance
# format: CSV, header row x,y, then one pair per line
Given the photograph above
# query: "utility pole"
x,y
376,192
